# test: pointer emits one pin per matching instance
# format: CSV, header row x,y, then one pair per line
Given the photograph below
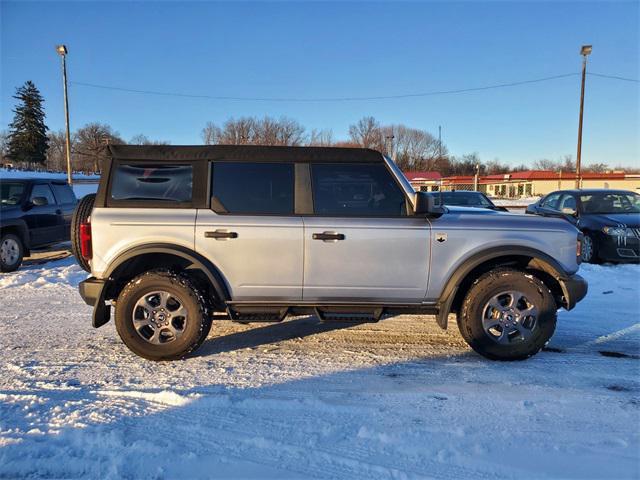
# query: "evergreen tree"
x,y
28,140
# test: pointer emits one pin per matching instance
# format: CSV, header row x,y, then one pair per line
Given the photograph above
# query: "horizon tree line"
x,y
29,144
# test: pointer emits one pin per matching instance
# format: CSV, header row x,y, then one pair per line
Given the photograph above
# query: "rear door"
x,y
67,203
251,233
361,244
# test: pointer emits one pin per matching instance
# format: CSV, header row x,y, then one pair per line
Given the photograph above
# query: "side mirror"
x,y
426,205
39,201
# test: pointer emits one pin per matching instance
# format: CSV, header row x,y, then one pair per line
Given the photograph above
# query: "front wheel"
x,y
11,252
507,315
162,315
589,251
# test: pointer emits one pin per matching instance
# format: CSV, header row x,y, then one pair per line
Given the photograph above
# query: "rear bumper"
x,y
93,290
574,289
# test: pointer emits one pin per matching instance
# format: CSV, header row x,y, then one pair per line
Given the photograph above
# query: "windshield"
x,y
610,202
406,185
463,199
11,193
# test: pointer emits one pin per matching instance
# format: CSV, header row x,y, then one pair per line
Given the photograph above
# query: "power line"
x,y
326,99
614,77
349,99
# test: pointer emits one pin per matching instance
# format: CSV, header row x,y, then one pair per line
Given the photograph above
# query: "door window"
x,y
356,190
43,191
551,202
253,188
63,193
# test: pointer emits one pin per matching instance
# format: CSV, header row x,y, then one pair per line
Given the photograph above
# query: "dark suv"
x,y
34,213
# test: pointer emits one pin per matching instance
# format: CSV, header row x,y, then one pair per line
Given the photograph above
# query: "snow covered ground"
x,y
80,189
397,399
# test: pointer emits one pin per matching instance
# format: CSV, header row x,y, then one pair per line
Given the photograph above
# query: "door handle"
x,y
328,236
220,234
58,212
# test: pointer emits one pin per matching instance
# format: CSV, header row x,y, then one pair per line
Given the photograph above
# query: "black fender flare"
x,y
539,261
22,228
198,261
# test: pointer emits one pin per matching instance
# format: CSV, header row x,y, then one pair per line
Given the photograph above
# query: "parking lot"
x,y
395,399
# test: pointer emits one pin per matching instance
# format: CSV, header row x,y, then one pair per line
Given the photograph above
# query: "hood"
x,y
615,219
474,210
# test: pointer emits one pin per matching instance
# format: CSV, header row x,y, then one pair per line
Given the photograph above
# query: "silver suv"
x,y
175,234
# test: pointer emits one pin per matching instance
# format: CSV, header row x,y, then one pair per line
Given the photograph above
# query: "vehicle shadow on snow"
x,y
270,333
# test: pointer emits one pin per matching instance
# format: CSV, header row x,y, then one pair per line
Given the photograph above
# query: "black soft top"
x,y
247,153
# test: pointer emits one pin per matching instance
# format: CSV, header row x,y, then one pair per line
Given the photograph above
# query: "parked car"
x,y
177,233
609,220
33,213
465,198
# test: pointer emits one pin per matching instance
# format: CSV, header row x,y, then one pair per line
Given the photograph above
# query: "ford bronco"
x,y
177,233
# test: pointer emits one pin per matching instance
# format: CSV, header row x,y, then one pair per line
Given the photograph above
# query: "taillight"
x,y
85,241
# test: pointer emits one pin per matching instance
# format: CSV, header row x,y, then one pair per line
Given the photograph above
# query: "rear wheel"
x,y
161,315
507,315
81,215
11,252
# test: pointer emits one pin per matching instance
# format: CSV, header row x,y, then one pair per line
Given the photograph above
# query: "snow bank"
x,y
65,273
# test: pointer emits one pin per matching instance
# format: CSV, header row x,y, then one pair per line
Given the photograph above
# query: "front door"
x,y
361,244
251,234
43,221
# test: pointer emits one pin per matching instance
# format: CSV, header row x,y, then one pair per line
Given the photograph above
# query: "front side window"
x,y
254,188
551,202
43,191
153,183
356,190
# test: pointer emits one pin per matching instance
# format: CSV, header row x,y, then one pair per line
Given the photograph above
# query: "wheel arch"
x,y
19,228
533,261
137,260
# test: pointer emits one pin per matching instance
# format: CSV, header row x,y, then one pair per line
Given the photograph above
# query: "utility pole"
x,y
475,178
62,51
585,51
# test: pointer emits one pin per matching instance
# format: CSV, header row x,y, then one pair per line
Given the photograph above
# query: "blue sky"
x,y
303,49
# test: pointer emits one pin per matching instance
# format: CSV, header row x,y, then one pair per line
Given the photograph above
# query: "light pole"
x,y
585,51
62,51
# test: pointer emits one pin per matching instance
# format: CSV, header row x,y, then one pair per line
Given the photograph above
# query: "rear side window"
x,y
362,190
63,193
43,191
253,188
152,183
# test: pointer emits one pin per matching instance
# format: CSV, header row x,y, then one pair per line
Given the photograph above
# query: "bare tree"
x,y
57,153
90,144
141,139
367,133
211,134
4,144
320,138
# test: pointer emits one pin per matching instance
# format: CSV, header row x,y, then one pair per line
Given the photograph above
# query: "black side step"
x,y
346,314
257,313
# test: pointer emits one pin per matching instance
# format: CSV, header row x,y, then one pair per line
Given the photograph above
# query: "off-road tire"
x,y
198,322
80,216
487,287
10,267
